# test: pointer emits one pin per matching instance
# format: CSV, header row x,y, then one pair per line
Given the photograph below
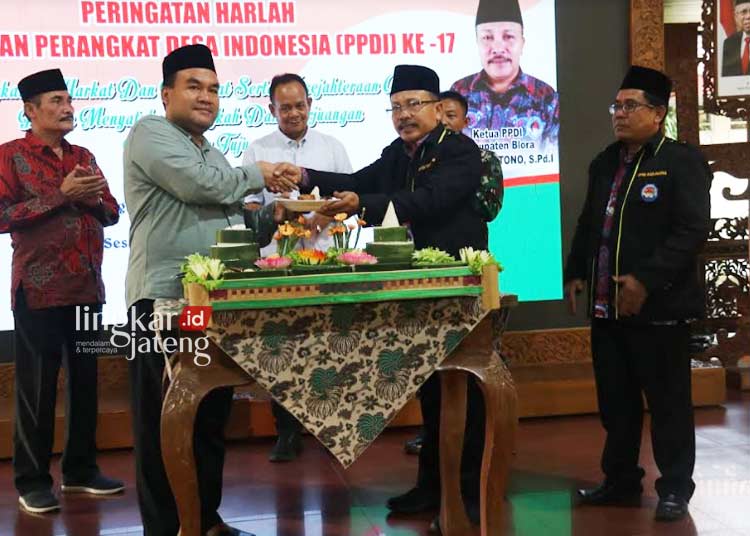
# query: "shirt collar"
x,y
205,145
293,143
481,82
652,145
37,142
426,140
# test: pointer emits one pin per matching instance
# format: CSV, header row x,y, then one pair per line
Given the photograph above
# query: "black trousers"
x,y
286,423
155,498
45,338
428,476
654,360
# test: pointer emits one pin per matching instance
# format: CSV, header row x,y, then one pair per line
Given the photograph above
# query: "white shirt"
x,y
315,151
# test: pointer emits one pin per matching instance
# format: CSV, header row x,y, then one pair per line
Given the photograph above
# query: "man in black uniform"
x,y
489,197
645,218
431,175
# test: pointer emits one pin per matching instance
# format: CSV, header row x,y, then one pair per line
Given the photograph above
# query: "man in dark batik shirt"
x,y
489,197
54,202
501,95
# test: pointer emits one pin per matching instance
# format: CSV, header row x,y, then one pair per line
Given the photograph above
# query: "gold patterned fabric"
x,y
344,371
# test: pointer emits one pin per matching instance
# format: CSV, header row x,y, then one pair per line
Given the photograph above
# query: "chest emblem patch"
x,y
649,193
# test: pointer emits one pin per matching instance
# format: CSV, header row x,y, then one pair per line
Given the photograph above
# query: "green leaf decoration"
x,y
274,334
432,256
323,380
453,338
369,426
390,362
203,270
342,317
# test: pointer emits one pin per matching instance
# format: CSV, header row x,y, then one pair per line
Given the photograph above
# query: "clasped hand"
x,y
83,185
282,177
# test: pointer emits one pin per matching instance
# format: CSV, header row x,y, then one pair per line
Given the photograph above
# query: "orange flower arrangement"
x,y
288,234
341,232
308,257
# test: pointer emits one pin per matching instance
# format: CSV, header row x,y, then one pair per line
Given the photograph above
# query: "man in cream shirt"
x,y
296,143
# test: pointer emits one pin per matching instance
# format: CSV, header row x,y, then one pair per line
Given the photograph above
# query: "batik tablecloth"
x,y
344,371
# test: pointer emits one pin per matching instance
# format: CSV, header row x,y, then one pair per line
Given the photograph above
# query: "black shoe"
x,y
435,526
98,485
609,493
671,508
414,501
39,502
414,446
287,448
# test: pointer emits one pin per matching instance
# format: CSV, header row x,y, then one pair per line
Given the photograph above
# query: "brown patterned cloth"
x,y
344,371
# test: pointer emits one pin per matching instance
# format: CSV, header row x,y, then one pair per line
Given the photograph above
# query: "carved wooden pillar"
x,y
681,68
647,33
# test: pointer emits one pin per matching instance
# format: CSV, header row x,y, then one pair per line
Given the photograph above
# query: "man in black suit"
x,y
431,175
736,56
644,221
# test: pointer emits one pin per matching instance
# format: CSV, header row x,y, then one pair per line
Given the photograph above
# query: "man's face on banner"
x,y
742,16
500,47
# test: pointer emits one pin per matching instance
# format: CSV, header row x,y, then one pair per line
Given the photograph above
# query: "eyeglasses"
x,y
411,106
628,107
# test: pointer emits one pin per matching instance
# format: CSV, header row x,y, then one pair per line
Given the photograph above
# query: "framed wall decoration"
x,y
726,57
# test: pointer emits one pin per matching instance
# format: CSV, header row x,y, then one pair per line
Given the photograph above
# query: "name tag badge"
x,y
659,173
649,193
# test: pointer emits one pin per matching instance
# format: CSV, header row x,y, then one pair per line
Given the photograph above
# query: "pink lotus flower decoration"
x,y
357,257
273,262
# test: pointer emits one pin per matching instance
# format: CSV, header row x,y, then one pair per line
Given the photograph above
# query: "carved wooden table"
x,y
271,346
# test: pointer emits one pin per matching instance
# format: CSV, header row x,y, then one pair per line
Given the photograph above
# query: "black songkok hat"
x,y
187,57
41,82
411,77
499,11
651,81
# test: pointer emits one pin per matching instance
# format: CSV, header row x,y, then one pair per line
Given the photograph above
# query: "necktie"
x,y
746,56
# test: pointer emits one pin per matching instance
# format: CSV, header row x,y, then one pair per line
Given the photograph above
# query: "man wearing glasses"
x,y
644,221
736,55
431,175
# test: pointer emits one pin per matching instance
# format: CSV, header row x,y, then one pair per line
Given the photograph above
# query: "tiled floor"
x,y
315,496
